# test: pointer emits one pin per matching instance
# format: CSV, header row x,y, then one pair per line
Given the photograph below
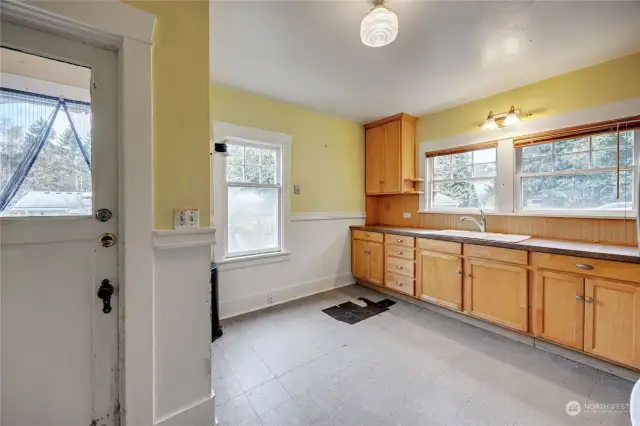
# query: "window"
x,y
254,194
577,174
464,179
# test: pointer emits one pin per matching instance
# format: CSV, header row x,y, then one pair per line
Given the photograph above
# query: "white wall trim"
x,y
255,260
167,239
301,217
254,302
191,416
120,27
504,137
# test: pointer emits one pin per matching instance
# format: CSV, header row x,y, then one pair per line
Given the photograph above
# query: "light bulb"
x,y
379,27
511,118
490,122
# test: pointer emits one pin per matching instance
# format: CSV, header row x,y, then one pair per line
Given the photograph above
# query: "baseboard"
x,y
201,414
254,302
596,363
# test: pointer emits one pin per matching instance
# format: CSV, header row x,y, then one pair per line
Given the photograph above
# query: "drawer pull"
x,y
399,284
399,240
399,267
588,299
584,266
367,252
578,297
398,252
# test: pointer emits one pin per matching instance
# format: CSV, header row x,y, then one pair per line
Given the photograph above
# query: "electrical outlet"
x,y
269,298
296,189
406,215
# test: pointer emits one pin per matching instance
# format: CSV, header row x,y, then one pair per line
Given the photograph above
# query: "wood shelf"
x,y
413,192
414,179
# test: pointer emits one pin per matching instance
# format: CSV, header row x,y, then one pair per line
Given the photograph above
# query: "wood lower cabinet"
x,y
558,313
439,279
367,261
612,321
497,293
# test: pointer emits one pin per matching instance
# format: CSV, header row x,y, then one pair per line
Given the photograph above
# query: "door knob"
x,y
104,292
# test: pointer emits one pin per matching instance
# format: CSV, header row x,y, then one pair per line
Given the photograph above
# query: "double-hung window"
x,y
462,178
577,173
254,198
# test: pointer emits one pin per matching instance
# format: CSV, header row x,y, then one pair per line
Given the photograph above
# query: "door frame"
x,y
127,31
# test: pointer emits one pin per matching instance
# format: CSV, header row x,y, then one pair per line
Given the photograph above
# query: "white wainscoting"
x,y
182,328
319,260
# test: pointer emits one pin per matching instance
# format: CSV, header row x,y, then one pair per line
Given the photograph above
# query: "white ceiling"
x,y
447,53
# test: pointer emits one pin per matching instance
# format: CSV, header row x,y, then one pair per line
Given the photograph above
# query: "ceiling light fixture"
x,y
380,26
504,119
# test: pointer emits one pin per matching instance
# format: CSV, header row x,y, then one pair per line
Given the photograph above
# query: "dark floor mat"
x,y
351,313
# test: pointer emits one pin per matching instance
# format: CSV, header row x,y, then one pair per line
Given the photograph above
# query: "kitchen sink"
x,y
487,236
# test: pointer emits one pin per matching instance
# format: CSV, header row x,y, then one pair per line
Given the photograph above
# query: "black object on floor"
x,y
216,327
352,313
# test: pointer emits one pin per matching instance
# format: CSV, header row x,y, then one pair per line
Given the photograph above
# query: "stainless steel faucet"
x,y
482,223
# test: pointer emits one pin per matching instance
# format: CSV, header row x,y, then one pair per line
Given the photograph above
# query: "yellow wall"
x,y
180,107
607,82
327,153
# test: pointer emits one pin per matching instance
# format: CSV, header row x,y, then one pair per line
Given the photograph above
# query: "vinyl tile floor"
x,y
294,365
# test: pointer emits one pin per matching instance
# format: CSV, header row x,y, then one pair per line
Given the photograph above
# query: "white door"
x,y
59,351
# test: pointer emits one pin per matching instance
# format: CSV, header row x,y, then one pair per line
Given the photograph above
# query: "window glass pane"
x,y
610,140
484,170
462,172
461,159
572,145
234,174
251,156
268,176
580,191
476,194
252,174
537,165
236,154
578,161
484,156
442,173
443,161
253,219
268,158
537,150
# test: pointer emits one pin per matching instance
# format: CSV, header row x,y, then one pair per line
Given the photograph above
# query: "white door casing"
x,y
59,350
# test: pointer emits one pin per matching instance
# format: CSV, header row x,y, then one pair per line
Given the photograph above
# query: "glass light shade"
x,y
379,27
490,124
511,119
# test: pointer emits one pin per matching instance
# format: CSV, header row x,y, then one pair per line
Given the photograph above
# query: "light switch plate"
x,y
296,189
406,215
186,218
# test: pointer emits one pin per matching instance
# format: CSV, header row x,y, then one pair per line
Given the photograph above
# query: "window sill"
x,y
253,260
630,215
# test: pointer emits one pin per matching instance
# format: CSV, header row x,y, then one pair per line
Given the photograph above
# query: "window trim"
x,y
223,132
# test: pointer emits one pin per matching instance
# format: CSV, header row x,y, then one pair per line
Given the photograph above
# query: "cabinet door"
x,y
376,263
440,279
391,151
612,321
360,259
497,293
558,308
373,160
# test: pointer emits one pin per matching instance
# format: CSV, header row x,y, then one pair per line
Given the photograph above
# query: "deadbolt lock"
x,y
103,215
107,240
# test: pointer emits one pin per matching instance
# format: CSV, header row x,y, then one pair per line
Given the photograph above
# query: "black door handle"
x,y
104,292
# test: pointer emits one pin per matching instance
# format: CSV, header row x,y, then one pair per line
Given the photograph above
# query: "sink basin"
x,y
488,236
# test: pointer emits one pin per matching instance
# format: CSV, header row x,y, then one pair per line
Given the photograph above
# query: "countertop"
x,y
570,248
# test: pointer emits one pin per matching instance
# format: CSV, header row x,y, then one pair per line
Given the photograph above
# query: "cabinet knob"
x,y
578,297
588,299
399,267
468,275
584,266
399,240
398,252
400,284
380,181
459,272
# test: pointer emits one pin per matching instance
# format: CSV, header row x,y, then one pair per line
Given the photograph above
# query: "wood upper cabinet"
x,y
439,279
390,155
558,308
612,321
367,261
497,293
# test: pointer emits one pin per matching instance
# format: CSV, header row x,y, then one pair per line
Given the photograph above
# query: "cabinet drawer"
x,y
400,251
585,266
441,246
399,283
400,266
496,253
399,240
368,236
